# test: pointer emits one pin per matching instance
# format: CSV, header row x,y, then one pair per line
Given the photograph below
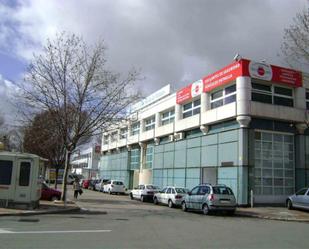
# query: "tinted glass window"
x,y
302,191
169,191
24,174
283,101
204,190
230,89
261,87
217,94
5,172
173,191
222,191
181,190
283,91
194,191
261,97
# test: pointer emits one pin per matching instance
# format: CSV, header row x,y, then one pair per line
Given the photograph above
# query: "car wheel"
x,y
142,198
231,212
109,191
131,196
289,204
170,204
54,198
184,207
205,209
155,201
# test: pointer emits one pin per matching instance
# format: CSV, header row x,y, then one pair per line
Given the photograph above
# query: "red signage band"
x,y
244,67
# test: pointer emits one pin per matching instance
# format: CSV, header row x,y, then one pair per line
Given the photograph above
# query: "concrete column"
x,y
129,130
300,97
142,126
158,120
144,174
203,102
243,100
207,100
178,112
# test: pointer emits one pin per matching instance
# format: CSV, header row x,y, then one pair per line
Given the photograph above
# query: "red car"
x,y
85,184
49,194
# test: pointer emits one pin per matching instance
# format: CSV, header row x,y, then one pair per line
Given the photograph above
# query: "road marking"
x,y
4,231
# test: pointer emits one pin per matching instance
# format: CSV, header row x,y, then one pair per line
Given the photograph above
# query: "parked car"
x,y
299,200
209,198
172,196
114,187
99,186
49,194
92,184
85,184
144,192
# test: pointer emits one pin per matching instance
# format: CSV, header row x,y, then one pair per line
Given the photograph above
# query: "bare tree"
x,y
41,137
69,79
295,45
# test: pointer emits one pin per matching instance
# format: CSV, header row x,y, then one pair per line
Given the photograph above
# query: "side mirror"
x,y
189,193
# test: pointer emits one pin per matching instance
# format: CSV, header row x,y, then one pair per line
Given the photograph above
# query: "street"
x,y
118,222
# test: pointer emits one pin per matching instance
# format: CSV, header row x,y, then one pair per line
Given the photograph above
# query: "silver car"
x,y
299,200
172,196
207,198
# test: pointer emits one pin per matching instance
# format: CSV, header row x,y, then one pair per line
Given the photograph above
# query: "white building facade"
x,y
244,126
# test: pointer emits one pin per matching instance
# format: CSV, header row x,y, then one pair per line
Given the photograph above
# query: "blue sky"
x,y
171,41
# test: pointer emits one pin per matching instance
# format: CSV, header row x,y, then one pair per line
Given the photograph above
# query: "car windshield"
x,y
181,190
222,190
151,187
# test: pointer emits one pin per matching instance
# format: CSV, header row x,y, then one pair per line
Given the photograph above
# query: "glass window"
x,y
204,190
222,190
173,191
150,123
135,128
223,97
169,191
24,174
191,108
5,172
307,100
181,190
123,133
105,139
114,136
167,117
302,191
271,94
195,191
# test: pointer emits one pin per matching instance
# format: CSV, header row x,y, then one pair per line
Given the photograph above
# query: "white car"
x,y
114,187
172,196
143,192
100,185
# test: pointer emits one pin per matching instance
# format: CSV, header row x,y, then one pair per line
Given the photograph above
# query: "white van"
x,y
114,186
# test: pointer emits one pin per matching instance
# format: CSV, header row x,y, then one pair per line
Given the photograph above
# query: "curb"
x,y
270,217
31,213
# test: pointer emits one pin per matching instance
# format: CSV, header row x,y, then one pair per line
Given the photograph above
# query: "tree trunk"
x,y
57,172
65,174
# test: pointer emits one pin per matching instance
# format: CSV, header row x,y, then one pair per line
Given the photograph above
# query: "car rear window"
x,y
222,191
118,183
181,190
151,187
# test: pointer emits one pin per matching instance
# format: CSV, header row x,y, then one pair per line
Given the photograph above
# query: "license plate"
x,y
225,201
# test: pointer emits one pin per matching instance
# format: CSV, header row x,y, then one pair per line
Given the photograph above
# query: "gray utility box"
x,y
20,181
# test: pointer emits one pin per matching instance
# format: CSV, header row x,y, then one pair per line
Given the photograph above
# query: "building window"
x,y
191,108
135,159
272,94
114,136
274,164
5,172
123,133
135,128
223,97
307,100
105,139
167,117
149,157
150,123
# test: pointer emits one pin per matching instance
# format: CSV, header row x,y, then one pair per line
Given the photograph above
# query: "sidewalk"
x,y
274,213
46,207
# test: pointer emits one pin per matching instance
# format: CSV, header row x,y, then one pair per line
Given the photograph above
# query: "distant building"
x,y
85,162
244,126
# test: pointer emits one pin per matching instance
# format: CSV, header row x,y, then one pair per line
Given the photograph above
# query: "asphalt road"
x,y
132,224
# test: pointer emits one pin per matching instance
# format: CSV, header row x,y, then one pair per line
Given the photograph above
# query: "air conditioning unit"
x,y
171,138
179,136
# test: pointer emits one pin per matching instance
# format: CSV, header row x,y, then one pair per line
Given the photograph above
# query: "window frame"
x,y
223,98
193,110
150,123
272,93
169,118
123,135
135,128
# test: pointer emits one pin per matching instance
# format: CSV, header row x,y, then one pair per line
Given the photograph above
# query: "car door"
x,y
166,195
141,191
192,198
161,194
201,196
304,200
298,197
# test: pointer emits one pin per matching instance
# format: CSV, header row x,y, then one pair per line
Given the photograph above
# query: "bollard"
x,y
251,198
